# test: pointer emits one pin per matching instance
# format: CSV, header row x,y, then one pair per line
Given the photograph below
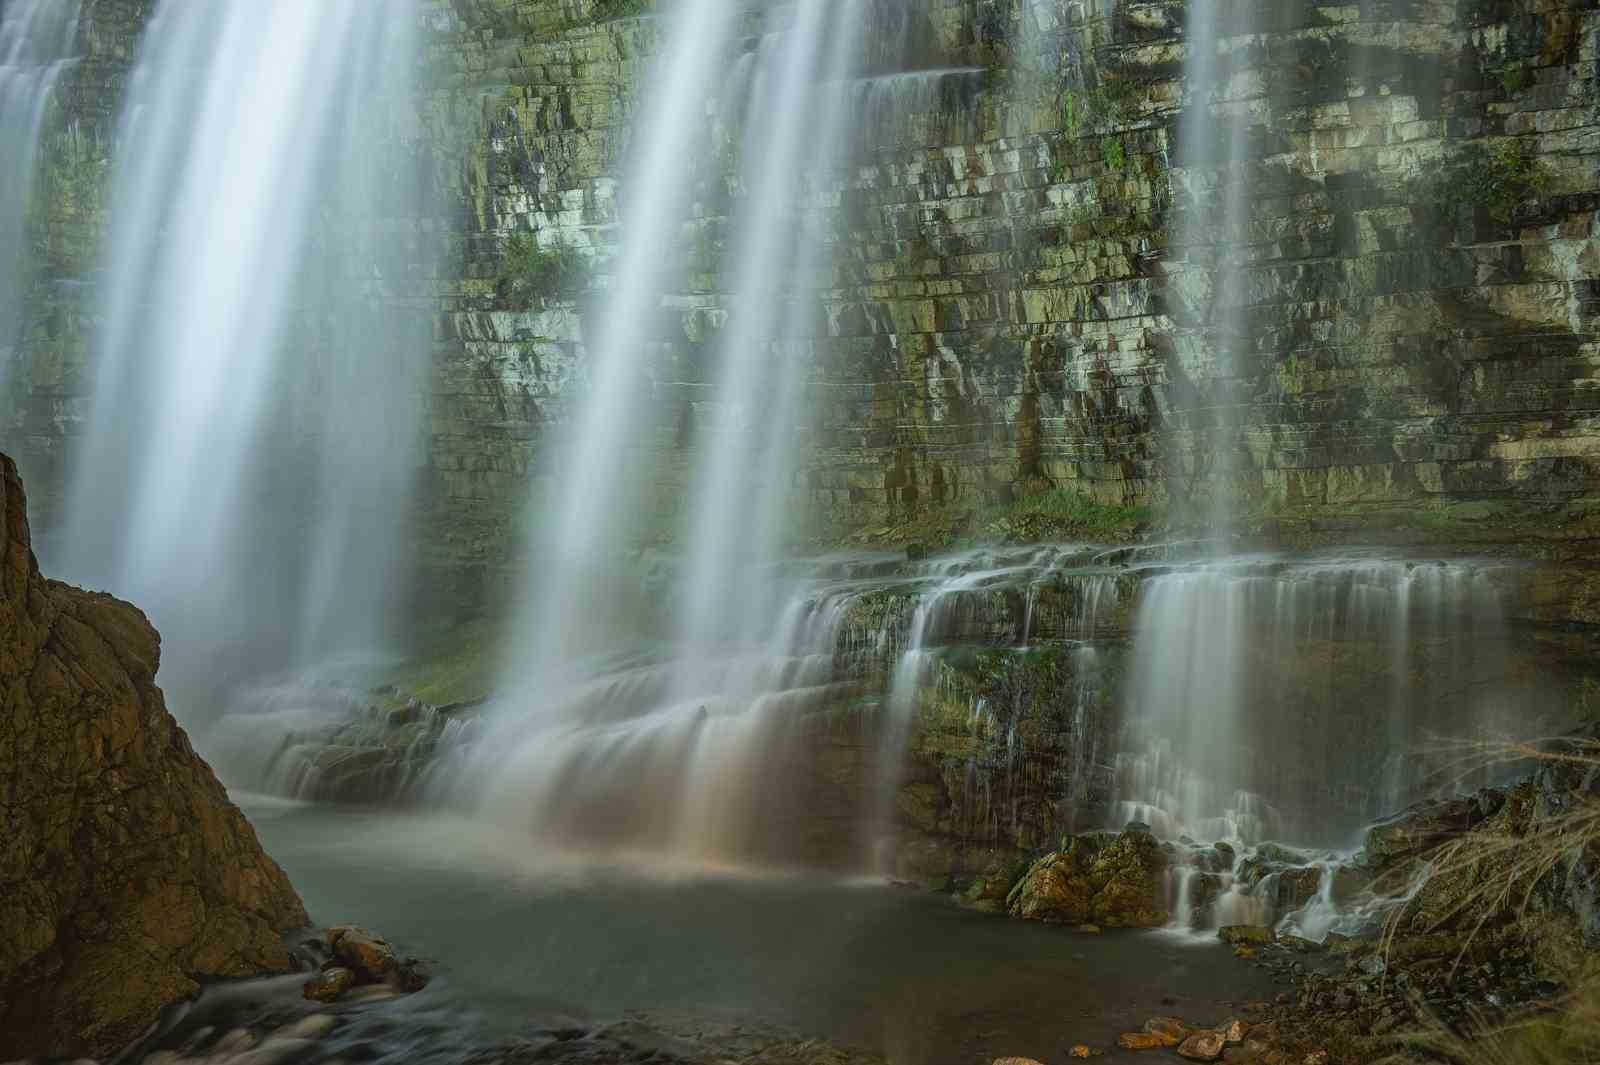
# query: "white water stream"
x,y
246,472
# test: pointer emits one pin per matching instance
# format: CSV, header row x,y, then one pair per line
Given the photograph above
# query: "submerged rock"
x,y
127,874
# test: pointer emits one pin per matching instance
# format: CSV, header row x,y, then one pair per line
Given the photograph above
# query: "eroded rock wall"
x,y
126,875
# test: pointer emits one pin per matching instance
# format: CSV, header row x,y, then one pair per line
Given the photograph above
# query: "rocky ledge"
x,y
1492,916
127,878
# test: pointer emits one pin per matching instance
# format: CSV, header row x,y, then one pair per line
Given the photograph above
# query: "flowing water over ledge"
x,y
930,718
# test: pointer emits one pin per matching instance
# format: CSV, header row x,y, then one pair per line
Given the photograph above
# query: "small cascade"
x,y
37,40
900,711
247,466
1265,693
916,107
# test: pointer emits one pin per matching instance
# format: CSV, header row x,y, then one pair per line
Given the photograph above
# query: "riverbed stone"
x,y
1202,1046
329,984
1171,1030
368,954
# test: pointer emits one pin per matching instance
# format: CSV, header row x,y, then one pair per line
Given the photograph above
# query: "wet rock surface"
x,y
262,1023
1490,916
1110,880
354,959
127,877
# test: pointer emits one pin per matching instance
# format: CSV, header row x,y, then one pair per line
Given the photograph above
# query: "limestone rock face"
x,y
126,875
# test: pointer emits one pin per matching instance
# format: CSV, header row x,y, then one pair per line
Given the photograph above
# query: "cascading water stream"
x,y
1213,142
1248,696
37,38
685,762
246,469
577,592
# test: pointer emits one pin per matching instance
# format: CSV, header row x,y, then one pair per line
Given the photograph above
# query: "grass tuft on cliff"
x,y
1497,179
1061,513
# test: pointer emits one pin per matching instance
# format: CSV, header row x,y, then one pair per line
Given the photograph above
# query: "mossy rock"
x,y
1114,881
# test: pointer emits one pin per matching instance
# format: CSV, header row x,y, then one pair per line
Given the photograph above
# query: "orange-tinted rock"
x,y
128,877
1083,1050
369,954
1141,1041
1171,1030
1233,1031
1202,1046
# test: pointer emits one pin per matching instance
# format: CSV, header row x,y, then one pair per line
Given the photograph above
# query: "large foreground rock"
x,y
126,875
1115,881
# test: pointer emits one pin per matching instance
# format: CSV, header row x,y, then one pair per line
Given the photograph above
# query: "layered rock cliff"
x,y
126,876
1013,300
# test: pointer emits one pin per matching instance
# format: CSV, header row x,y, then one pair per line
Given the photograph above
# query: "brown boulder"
x,y
127,875
370,955
1141,1041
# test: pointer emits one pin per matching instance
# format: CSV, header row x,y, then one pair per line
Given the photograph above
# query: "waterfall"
x,y
1265,693
36,42
577,596
1215,195
679,751
246,470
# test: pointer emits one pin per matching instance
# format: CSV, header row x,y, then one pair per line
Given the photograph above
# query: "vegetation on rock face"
x,y
610,10
1062,512
1497,179
532,272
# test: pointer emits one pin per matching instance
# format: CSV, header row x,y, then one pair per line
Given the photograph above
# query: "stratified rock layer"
x,y
126,875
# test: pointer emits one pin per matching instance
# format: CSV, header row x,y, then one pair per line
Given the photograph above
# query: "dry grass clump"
x,y
1494,876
